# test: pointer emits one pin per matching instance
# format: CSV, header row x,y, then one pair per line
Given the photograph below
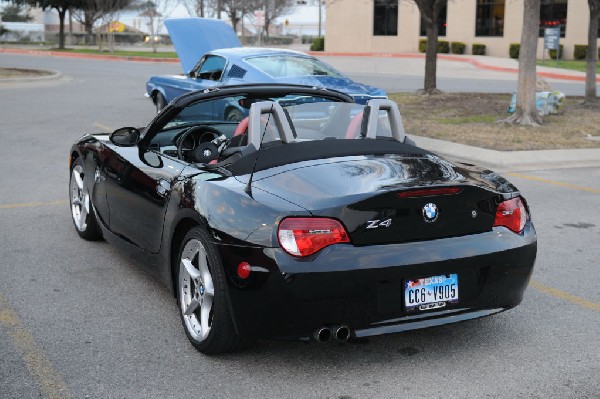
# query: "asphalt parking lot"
x,y
80,320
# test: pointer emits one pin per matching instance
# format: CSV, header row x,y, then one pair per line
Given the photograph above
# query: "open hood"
x,y
194,37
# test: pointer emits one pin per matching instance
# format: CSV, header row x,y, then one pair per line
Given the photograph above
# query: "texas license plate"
x,y
430,292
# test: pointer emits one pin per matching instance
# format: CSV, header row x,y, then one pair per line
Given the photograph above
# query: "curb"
x,y
474,62
512,160
53,75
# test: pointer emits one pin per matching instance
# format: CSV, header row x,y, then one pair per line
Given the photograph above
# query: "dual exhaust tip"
x,y
325,334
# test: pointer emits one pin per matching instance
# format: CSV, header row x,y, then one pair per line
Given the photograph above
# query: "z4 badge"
x,y
374,224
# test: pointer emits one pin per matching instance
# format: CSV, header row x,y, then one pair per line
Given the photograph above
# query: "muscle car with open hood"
x,y
211,55
313,218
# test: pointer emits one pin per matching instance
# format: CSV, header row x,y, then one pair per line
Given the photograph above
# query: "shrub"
x,y
279,40
443,46
458,47
580,51
552,53
478,49
318,44
513,50
307,39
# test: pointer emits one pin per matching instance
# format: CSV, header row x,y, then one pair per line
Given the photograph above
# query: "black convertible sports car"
x,y
312,217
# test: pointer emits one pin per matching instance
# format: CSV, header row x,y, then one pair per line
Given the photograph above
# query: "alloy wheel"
x,y
80,201
196,290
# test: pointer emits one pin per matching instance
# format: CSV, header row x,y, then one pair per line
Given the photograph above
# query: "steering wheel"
x,y
198,156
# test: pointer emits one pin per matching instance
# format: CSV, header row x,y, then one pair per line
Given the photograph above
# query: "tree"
x,y
274,9
430,11
200,8
94,10
154,14
592,52
15,13
61,6
526,112
195,7
237,9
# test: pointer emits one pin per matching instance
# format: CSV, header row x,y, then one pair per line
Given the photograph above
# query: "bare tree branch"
x,y
154,14
276,8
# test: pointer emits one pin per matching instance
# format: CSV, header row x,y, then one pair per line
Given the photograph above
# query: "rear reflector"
x,y
244,270
305,236
511,214
427,192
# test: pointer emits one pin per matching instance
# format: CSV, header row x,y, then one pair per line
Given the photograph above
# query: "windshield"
x,y
280,66
233,109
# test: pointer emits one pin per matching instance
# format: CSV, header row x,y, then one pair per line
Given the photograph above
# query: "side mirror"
x,y
193,75
125,137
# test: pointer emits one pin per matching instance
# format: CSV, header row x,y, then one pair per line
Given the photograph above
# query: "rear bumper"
x,y
362,287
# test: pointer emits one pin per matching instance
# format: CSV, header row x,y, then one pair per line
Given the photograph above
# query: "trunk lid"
x,y
394,199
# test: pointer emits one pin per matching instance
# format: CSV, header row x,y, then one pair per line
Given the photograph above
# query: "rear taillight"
x,y
305,236
511,214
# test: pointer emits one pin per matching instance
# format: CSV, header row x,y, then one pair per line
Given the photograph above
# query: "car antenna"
x,y
248,189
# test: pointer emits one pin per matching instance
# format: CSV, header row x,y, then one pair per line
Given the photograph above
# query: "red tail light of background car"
x,y
305,236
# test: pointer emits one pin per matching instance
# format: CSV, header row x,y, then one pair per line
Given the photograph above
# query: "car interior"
x,y
202,134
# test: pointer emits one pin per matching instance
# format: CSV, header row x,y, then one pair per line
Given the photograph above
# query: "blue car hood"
x,y
194,37
342,84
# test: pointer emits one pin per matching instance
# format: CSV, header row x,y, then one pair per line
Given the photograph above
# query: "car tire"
x,y
82,211
234,115
160,102
201,296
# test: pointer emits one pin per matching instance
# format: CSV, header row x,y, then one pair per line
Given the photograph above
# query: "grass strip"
x,y
121,53
573,65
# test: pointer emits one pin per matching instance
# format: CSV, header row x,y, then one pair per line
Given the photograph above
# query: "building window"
x,y
553,13
490,18
443,17
385,18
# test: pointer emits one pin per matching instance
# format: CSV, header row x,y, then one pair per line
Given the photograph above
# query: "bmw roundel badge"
x,y
430,212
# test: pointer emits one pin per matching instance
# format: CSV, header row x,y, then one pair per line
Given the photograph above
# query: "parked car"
x,y
211,55
312,218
